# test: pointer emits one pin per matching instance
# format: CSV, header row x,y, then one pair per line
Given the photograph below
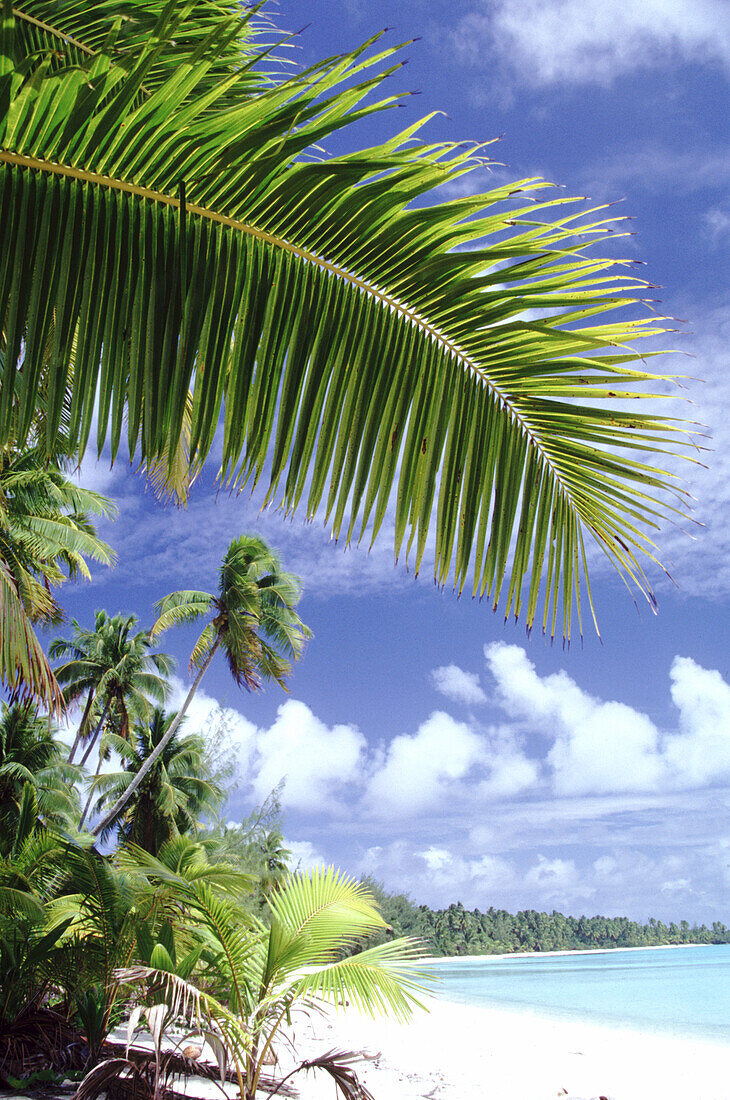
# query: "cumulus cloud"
x,y
700,751
304,855
597,747
554,877
316,762
590,41
455,683
208,718
419,769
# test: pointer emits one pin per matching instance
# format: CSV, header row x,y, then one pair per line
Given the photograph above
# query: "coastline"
x,y
427,960
463,1052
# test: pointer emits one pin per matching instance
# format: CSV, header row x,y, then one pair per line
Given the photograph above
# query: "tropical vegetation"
x,y
183,265
253,622
175,793
460,931
179,921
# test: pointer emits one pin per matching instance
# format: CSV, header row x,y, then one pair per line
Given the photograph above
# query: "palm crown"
x,y
46,535
175,791
254,620
115,667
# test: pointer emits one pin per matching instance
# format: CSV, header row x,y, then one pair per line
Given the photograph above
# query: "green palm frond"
x,y
327,905
72,31
23,663
182,862
362,352
378,980
179,608
21,903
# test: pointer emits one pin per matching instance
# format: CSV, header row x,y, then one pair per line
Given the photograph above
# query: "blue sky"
x,y
423,741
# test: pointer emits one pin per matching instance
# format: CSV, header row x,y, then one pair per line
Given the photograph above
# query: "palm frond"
x,y
24,668
379,980
362,352
196,1006
179,608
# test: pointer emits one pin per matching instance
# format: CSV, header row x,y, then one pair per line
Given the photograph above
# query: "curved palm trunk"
x,y
82,727
158,750
91,795
95,734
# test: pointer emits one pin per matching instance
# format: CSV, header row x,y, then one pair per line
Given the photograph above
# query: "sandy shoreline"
x,y
460,1052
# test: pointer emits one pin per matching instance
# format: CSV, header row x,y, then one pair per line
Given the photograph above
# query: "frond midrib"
x,y
19,14
389,301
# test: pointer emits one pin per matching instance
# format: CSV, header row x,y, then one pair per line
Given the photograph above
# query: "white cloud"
x,y
455,683
700,752
316,762
454,873
598,747
591,41
555,874
420,768
436,858
207,717
717,224
614,749
511,773
304,855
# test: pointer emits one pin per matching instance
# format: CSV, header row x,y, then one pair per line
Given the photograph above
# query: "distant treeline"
x,y
460,931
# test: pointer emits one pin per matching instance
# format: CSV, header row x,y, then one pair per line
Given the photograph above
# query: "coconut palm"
x,y
274,859
252,620
45,538
359,348
263,972
31,756
175,791
117,672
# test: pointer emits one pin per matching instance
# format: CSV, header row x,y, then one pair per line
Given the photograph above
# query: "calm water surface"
x,y
684,990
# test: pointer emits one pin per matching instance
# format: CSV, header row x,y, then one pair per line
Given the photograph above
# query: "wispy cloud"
x,y
716,223
590,41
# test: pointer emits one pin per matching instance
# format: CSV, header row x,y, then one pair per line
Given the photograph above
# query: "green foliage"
x,y
31,759
115,669
46,535
252,620
175,793
166,232
460,931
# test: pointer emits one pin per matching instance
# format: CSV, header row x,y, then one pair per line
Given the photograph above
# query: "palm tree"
x,y
363,348
45,537
175,791
116,671
264,972
274,859
30,756
253,621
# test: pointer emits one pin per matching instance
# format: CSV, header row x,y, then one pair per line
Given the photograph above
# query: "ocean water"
x,y
684,991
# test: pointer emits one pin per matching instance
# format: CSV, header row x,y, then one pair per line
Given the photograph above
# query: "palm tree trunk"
x,y
158,750
82,726
95,734
91,795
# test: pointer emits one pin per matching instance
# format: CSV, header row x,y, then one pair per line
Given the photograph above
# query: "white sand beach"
x,y
458,1052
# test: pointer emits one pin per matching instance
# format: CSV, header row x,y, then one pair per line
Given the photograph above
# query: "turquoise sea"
x,y
683,990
